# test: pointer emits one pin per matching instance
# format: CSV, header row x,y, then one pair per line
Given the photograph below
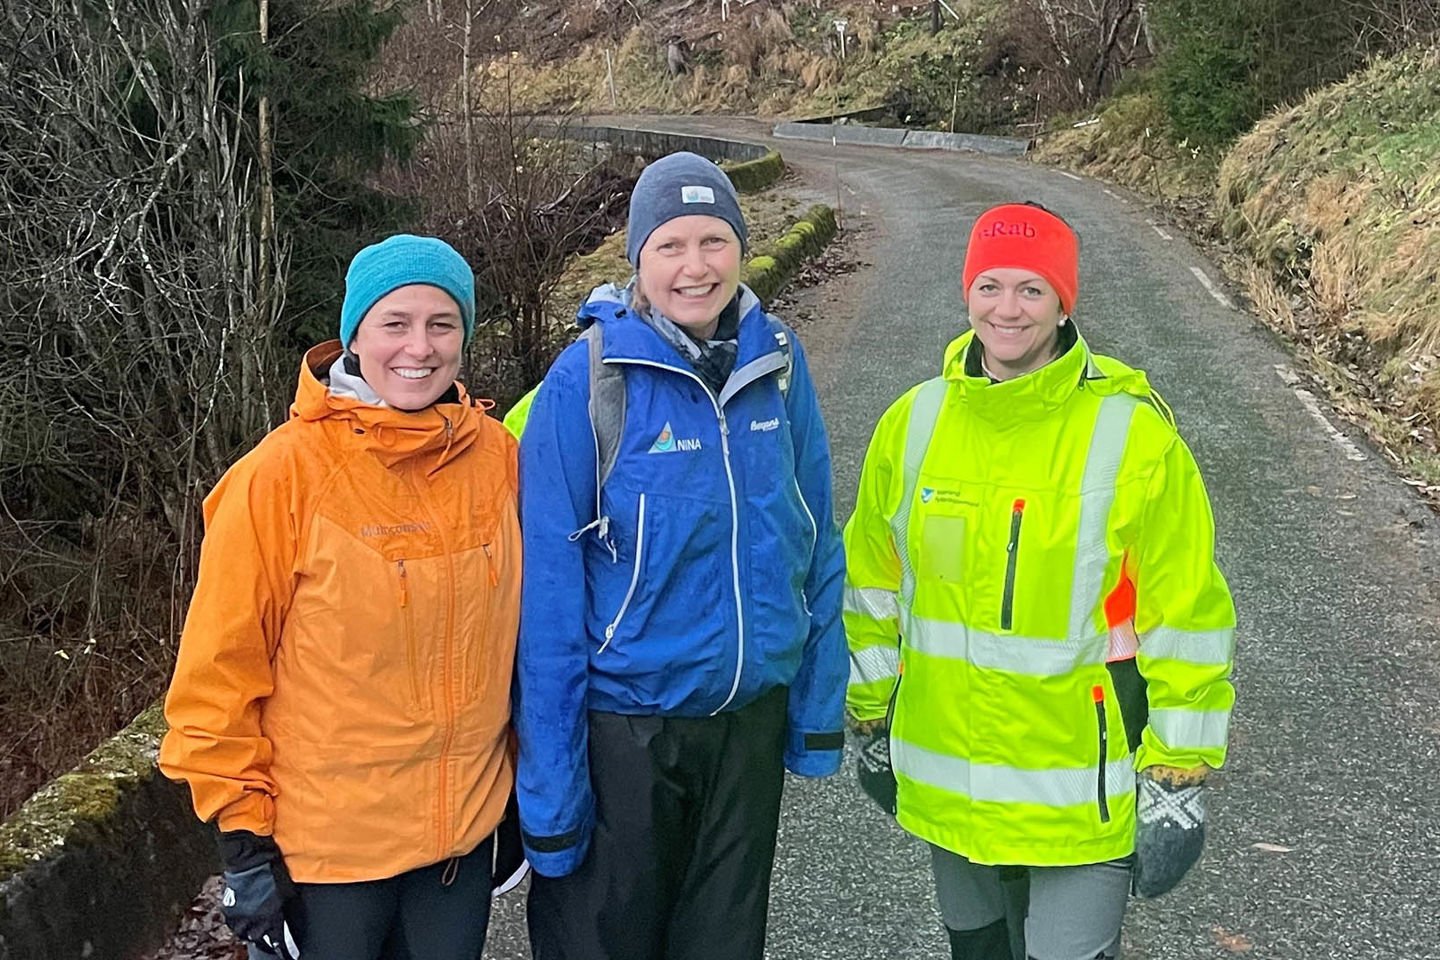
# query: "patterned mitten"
x,y
1170,828
872,766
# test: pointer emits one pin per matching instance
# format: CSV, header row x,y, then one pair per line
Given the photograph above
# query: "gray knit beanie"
x,y
680,185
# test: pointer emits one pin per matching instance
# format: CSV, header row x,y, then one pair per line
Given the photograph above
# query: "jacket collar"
x,y
438,433
629,338
1027,397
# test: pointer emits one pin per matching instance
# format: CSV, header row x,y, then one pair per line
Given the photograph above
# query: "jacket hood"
x,y
441,429
1040,391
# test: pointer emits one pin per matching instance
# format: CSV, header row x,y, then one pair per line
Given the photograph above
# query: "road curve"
x,y
1325,827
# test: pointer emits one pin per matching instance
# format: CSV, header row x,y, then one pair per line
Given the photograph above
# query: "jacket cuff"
x,y
560,854
254,811
814,754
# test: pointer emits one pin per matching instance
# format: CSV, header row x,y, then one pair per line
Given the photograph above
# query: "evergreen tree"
x,y
330,133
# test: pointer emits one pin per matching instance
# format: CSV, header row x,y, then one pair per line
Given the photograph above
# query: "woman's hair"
x,y
639,303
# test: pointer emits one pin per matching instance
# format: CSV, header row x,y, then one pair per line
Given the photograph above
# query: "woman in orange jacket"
x,y
341,702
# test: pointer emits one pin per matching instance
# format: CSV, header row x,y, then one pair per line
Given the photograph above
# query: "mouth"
x,y
412,373
1009,331
698,292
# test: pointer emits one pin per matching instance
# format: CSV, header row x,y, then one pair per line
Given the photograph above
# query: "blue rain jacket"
x,y
713,573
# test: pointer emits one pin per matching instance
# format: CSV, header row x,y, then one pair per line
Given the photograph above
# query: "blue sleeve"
x,y
815,738
557,497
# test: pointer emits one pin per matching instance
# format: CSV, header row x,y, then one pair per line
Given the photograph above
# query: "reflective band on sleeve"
x,y
1191,646
1064,787
1031,656
1097,494
869,664
1191,729
872,602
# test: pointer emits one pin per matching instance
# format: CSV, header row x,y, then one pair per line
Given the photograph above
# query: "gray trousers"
x,y
1071,913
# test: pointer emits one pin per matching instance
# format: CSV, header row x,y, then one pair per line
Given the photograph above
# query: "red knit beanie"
x,y
1026,237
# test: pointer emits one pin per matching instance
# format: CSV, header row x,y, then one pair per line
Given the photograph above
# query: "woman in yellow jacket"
x,y
341,702
1035,617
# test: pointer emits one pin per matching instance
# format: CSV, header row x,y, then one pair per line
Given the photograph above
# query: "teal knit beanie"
x,y
399,261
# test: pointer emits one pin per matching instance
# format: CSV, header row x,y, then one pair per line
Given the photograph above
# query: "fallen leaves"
x,y
1232,942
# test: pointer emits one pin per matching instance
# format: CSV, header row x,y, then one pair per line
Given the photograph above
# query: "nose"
x,y
417,341
695,261
1008,305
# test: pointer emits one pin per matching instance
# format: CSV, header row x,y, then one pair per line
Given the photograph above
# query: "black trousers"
x,y
439,912
679,865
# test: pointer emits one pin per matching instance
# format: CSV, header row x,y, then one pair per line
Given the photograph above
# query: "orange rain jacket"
x,y
343,681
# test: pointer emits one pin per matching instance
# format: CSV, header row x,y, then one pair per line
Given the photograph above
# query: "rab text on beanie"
x,y
1026,237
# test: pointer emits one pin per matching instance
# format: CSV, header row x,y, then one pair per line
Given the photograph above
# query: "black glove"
x,y
872,767
257,888
1170,829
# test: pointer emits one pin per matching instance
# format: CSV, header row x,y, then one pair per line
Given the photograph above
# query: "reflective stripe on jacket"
x,y
1052,521
712,573
343,680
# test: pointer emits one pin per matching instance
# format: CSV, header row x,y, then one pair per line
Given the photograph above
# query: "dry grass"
x,y
772,63
1338,198
1129,145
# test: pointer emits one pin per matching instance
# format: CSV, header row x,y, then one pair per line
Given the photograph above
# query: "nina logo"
x,y
668,443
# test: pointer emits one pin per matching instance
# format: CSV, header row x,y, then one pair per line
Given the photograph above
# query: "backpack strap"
x,y
607,407
787,347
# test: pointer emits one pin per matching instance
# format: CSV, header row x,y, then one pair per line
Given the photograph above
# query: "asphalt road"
x,y
1334,763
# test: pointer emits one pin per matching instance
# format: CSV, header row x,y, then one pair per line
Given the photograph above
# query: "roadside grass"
x,y
774,64
1338,200
1328,215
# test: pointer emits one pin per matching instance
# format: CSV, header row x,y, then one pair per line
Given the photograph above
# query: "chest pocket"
x,y
945,522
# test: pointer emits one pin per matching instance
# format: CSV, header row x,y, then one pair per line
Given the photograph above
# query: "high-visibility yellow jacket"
x,y
1009,541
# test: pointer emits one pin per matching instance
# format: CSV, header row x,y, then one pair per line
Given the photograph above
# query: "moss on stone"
x,y
80,805
754,175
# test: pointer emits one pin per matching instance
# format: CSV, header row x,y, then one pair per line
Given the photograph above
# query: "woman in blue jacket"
x,y
680,642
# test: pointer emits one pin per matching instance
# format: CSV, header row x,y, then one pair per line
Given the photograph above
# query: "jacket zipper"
x,y
450,679
734,521
1012,554
409,618
1097,693
634,577
473,651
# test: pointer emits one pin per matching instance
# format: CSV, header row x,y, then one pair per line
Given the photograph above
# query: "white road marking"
x,y
1210,288
1156,227
1070,175
1309,401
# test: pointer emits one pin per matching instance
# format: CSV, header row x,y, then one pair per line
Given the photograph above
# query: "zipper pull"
x,y
404,584
724,424
490,562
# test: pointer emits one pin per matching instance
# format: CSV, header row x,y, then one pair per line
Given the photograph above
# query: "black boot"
x,y
987,943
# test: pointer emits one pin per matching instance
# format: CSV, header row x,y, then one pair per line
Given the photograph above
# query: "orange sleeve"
x,y
223,671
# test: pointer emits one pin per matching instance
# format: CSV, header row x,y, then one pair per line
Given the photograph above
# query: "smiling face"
x,y
690,269
1016,314
409,345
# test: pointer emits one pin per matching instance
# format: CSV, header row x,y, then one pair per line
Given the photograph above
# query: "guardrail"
x,y
897,137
